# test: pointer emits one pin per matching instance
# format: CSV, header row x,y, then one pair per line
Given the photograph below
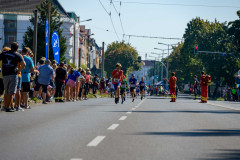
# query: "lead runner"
x,y
117,77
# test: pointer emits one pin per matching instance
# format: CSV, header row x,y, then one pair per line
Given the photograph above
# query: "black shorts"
x,y
132,89
122,91
1,86
25,86
142,88
44,87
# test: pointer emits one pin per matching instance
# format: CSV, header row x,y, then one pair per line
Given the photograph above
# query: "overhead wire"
x,y
140,36
119,15
177,4
109,14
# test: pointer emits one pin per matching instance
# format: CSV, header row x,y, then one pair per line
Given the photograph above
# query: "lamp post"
x,y
168,55
161,62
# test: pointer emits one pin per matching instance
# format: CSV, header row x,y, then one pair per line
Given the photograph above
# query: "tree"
x,y
119,52
55,25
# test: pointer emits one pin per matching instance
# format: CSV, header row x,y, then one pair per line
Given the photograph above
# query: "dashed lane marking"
x,y
113,127
96,141
122,118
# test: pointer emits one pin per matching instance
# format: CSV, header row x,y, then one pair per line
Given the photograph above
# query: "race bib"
x,y
133,85
123,86
116,80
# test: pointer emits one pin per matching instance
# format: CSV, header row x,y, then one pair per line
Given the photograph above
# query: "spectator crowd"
x,y
20,80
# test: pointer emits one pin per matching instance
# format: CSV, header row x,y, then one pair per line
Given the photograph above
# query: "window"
x,y
11,39
11,24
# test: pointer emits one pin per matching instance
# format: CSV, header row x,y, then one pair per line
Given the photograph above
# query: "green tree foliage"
x,y
124,54
55,25
209,36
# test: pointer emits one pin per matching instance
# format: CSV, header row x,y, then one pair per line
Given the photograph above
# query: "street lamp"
x,y
87,20
168,53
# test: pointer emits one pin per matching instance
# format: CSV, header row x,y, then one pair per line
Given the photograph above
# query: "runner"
x,y
117,76
142,85
123,90
133,84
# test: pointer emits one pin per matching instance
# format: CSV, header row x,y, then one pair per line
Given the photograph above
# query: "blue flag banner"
x,y
46,38
56,46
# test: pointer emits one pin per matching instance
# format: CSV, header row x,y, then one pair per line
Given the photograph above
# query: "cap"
x,y
133,75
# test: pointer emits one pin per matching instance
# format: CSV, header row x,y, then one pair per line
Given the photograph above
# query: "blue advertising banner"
x,y
56,46
46,38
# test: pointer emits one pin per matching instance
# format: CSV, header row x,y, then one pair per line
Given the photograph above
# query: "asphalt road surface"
x,y
98,129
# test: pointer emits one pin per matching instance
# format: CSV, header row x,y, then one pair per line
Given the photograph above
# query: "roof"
x,y
148,63
25,6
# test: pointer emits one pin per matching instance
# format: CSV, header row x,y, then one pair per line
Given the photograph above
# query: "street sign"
x,y
56,46
46,38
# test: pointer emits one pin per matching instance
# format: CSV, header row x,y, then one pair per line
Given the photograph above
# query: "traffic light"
x,y
195,49
139,59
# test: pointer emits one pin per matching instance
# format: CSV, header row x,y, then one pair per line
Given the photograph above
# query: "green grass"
x,y
220,99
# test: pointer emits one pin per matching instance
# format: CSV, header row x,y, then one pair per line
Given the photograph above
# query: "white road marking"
x,y
113,126
129,112
96,141
122,118
218,105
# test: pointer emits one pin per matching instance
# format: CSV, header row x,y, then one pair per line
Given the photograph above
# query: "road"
x,y
98,129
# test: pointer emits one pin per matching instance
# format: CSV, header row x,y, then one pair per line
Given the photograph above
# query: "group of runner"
x,y
120,85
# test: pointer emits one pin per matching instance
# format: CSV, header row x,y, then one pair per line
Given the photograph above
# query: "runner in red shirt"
x,y
117,76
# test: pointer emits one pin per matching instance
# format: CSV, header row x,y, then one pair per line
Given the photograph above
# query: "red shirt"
x,y
87,78
173,82
117,78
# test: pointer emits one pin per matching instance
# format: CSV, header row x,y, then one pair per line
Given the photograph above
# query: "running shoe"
x,y
133,100
9,110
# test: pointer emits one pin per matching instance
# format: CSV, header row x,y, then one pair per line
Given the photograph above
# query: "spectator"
x,y
1,76
10,67
234,94
95,84
238,93
102,85
82,84
46,74
61,75
26,76
71,84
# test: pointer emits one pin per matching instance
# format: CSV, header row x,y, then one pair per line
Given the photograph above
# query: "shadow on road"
x,y
224,155
196,133
187,111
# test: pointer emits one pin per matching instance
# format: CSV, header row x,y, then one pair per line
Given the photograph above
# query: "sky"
x,y
147,19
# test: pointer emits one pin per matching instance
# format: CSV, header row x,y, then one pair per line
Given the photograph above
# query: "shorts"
x,y
122,91
10,84
52,84
44,87
25,86
71,83
1,86
142,88
132,89
19,84
117,85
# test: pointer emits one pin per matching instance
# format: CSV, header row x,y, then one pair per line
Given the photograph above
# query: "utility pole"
x,y
103,58
49,21
162,69
35,37
74,41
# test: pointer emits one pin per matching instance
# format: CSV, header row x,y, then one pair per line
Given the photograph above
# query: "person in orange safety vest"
x,y
173,85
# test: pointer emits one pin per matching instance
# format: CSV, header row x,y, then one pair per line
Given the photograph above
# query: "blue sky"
x,y
149,20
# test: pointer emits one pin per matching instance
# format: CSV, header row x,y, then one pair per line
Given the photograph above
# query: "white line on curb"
x,y
113,127
129,112
96,141
218,105
122,118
